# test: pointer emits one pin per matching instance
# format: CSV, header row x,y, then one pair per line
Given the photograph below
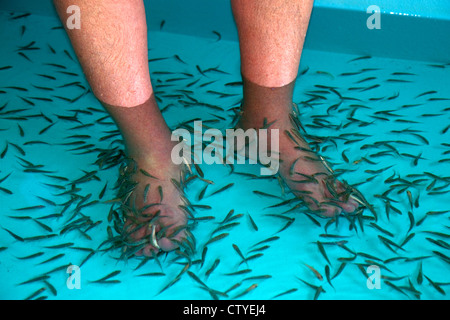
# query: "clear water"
x,y
356,127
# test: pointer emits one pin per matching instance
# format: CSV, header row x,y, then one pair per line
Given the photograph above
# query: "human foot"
x,y
306,174
150,184
310,177
153,207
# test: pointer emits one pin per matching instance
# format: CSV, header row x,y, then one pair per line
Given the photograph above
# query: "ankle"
x,y
266,105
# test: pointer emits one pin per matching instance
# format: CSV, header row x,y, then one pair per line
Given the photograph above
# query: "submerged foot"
x,y
153,207
307,174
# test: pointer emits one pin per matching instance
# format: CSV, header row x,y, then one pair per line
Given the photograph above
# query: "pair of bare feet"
x,y
155,208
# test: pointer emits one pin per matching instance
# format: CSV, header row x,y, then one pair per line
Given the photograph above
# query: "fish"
x,y
51,49
60,246
426,93
51,288
252,222
344,157
219,36
372,224
238,272
316,273
197,279
304,71
90,254
2,155
340,269
160,191
403,74
366,255
270,239
411,218
46,76
236,285
6,190
228,216
288,223
199,70
390,284
435,286
439,234
252,287
327,274
234,84
388,243
108,276
46,128
257,255
204,251
315,221
285,292
16,88
216,238
360,58
226,226
370,88
262,277
18,148
24,56
177,57
192,83
213,267
265,194
419,278
322,251
58,256
202,193
41,237
439,243
35,279
31,256
239,252
442,256
36,293
318,289
21,16
102,192
15,236
44,226
398,80
152,274
440,66
30,208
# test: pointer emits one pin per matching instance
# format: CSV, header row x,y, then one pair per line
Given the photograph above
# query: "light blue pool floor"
x,y
384,122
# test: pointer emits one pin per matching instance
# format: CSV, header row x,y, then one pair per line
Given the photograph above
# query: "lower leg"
x,y
148,144
111,46
271,36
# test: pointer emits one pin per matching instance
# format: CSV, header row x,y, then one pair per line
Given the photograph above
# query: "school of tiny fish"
x,y
382,124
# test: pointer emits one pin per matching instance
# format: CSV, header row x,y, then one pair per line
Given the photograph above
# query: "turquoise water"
x,y
383,122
